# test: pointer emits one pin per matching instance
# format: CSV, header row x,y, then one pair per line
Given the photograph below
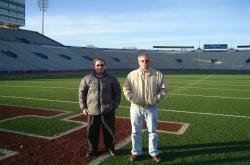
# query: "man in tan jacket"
x,y
144,88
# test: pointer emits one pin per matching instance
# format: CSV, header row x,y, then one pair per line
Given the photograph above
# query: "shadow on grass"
x,y
127,152
184,151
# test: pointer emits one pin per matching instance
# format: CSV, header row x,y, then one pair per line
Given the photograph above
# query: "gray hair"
x,y
144,54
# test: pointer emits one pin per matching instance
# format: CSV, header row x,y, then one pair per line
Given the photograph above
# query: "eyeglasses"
x,y
101,65
146,61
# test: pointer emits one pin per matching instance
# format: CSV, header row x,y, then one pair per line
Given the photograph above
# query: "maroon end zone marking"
x,y
122,128
69,149
163,126
169,127
172,127
7,111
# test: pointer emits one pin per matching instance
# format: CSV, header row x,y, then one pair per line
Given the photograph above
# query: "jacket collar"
x,y
148,72
99,75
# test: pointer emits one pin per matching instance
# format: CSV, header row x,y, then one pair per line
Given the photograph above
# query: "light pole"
x,y
43,5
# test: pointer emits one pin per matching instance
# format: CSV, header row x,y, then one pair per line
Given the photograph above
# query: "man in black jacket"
x,y
99,96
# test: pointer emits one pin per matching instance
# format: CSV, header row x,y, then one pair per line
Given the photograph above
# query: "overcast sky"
x,y
143,23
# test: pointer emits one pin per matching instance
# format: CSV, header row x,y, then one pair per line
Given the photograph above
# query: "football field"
x,y
214,106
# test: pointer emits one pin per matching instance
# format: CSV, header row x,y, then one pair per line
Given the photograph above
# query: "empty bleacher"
x,y
36,53
26,36
28,51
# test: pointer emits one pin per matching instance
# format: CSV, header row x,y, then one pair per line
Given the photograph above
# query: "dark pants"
x,y
107,122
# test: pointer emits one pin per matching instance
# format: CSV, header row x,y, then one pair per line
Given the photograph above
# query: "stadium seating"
x,y
28,51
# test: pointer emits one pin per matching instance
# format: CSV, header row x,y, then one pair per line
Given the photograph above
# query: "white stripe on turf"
x,y
31,98
218,89
24,86
74,88
73,102
220,97
190,83
198,113
203,113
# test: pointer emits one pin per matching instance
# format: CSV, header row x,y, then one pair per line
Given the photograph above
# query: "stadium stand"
x,y
26,36
29,51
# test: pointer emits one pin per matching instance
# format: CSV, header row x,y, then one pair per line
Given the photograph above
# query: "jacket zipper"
x,y
99,97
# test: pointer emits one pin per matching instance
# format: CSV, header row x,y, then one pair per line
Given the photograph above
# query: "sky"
x,y
142,24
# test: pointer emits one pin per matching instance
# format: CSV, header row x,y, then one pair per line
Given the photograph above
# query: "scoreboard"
x,y
214,46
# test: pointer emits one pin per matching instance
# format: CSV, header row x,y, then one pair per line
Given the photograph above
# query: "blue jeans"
x,y
137,116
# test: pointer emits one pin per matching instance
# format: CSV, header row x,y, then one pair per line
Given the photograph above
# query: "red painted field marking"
x,y
68,149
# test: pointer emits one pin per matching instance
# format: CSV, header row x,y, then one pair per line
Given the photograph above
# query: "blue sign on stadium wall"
x,y
215,46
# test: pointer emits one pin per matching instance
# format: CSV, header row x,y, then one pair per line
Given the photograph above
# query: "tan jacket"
x,y
145,89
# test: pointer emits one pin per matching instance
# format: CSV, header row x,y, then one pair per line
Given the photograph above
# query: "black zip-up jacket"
x,y
99,94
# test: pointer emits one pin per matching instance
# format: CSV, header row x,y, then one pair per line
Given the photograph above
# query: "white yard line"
x,y
76,88
213,81
203,113
179,87
103,157
31,98
21,86
182,88
55,136
190,83
199,113
4,153
44,82
219,89
220,97
74,102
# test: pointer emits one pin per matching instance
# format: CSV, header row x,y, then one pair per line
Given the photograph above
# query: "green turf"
x,y
219,127
38,126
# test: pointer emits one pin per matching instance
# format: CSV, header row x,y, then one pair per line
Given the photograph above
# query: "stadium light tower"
x,y
43,5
